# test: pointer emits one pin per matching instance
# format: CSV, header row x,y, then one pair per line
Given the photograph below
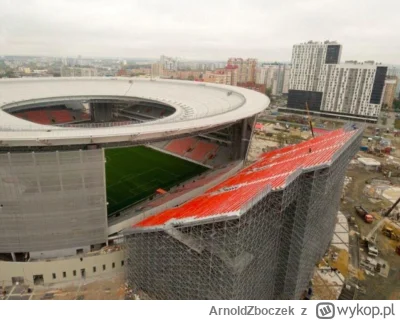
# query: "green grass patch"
x,y
397,124
135,173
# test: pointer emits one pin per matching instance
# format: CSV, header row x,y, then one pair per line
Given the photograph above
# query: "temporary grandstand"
x,y
256,235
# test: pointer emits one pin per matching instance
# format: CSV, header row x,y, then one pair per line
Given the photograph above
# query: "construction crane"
x,y
309,120
382,221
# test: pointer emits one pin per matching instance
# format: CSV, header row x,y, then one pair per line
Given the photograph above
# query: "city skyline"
x,y
197,31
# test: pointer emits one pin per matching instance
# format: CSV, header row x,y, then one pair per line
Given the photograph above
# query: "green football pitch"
x,y
135,173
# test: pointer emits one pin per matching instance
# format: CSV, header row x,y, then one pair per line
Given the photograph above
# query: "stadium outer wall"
x,y
52,203
269,252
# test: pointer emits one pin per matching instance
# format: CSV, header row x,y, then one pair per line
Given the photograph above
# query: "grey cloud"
x,y
208,29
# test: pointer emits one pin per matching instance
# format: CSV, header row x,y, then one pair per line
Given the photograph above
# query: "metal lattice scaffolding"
x,y
267,250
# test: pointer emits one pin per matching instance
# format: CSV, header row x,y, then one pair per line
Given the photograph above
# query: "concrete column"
x,y
244,139
13,256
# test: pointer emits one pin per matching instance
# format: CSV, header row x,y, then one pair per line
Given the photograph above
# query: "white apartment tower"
x,y
308,60
275,77
349,88
318,78
169,63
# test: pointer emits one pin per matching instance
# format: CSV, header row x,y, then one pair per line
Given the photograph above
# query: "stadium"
x,y
157,166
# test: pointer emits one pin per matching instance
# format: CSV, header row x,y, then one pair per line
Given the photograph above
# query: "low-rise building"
x,y
77,72
227,75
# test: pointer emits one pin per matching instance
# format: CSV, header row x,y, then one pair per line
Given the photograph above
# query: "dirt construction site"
x,y
109,287
362,190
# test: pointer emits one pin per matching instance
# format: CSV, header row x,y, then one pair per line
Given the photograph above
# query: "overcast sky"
x,y
200,29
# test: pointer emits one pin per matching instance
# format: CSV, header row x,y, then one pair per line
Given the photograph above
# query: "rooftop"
x,y
198,107
369,162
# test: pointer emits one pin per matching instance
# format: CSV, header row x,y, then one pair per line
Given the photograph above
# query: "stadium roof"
x,y
271,172
198,106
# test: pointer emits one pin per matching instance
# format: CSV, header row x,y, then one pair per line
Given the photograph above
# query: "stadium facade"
x,y
257,235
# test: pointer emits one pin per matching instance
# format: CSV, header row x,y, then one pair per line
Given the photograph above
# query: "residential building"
x,y
182,75
352,88
40,71
390,91
275,77
77,72
157,69
326,85
169,63
261,73
25,70
286,79
217,76
232,75
395,71
246,69
308,60
122,73
227,75
253,86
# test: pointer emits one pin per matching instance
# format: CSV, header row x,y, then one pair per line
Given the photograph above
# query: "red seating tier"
x,y
180,146
272,170
208,205
61,116
50,116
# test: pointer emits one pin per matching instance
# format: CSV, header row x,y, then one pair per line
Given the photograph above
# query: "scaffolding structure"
x,y
266,250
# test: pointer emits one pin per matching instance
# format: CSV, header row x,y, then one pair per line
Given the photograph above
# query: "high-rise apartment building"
x,y
319,79
390,91
308,60
275,77
286,79
352,88
157,69
246,69
394,71
261,73
169,63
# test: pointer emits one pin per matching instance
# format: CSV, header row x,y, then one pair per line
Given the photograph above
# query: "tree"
x,y
10,74
280,138
292,139
396,104
268,92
